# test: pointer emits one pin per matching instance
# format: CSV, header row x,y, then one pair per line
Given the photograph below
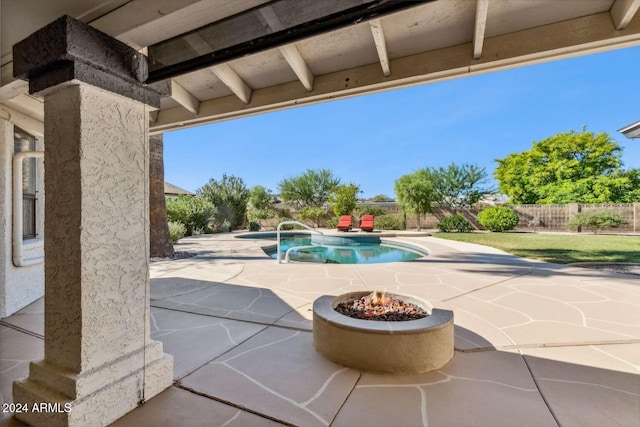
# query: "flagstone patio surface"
x,y
537,344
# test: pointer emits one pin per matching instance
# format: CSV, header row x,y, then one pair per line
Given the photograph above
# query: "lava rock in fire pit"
x,y
381,307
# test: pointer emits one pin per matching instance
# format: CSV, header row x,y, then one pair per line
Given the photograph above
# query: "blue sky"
x,y
373,140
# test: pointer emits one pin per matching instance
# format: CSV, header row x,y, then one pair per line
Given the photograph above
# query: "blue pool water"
x,y
349,251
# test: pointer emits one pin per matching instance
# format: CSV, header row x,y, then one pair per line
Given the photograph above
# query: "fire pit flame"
x,y
377,298
379,306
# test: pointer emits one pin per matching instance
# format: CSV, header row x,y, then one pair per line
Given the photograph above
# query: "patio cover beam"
x,y
233,81
381,45
581,36
290,52
184,97
623,11
223,71
482,7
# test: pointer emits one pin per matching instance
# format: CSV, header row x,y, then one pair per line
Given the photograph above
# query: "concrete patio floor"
x,y
537,344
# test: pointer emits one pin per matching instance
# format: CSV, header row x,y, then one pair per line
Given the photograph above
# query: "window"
x,y
25,142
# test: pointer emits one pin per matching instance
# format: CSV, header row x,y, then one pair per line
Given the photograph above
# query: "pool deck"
x,y
536,343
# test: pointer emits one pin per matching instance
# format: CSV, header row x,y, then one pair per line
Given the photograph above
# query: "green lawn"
x,y
558,248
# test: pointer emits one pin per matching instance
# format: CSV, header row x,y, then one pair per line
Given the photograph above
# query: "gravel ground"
x,y
176,255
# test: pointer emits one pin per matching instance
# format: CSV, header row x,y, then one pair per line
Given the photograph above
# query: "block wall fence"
x,y
551,217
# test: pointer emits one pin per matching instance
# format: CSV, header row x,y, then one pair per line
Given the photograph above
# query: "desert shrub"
x,y
193,212
260,206
284,213
177,230
369,210
289,226
390,222
229,193
311,214
454,223
534,222
332,222
222,216
596,221
498,218
254,226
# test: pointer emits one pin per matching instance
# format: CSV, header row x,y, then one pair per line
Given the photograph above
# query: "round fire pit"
x,y
400,347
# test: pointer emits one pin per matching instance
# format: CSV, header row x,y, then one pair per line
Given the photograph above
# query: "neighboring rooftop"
x,y
174,190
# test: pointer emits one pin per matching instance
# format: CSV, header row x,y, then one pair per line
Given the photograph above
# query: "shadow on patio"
x,y
536,344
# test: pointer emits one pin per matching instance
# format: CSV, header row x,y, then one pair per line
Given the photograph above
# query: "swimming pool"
x,y
337,249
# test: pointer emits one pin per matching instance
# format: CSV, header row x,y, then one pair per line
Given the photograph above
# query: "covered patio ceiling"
x,y
422,42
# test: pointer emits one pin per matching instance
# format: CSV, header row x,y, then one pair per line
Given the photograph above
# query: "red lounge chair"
x,y
345,224
366,223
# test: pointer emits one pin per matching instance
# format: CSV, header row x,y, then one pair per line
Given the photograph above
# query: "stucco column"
x,y
99,360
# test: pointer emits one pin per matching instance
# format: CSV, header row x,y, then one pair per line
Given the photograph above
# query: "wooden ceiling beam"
x,y
623,11
290,52
482,7
381,45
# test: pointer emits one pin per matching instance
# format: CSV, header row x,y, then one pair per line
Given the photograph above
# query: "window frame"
x,y
30,193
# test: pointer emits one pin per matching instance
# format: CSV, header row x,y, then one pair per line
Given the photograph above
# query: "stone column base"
x,y
51,396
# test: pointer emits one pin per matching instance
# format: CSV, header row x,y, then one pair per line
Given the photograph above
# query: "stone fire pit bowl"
x,y
406,347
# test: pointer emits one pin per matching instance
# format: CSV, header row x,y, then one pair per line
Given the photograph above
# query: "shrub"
x,y
254,226
369,210
596,221
390,222
229,193
312,213
344,198
193,212
260,206
288,226
332,222
454,223
177,230
284,213
498,218
222,216
534,222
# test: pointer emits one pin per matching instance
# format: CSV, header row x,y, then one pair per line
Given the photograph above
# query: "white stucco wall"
x,y
19,286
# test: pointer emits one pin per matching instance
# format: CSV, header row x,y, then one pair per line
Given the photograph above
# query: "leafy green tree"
x,y
344,198
229,195
193,212
312,188
456,187
570,167
629,192
414,192
260,206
